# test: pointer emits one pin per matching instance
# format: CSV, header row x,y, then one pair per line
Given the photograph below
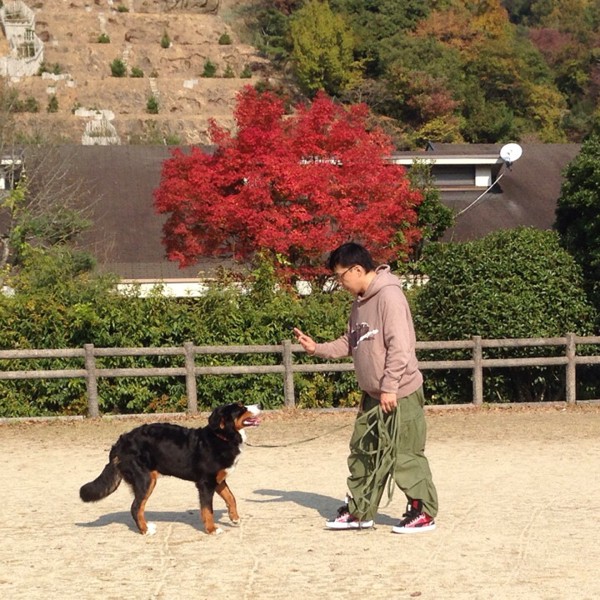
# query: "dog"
x,y
205,455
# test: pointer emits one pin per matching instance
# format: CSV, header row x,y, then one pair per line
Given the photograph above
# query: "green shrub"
x,y
210,69
30,105
172,139
58,305
103,39
152,105
118,68
511,284
52,104
54,68
225,39
122,8
165,41
229,72
246,73
136,72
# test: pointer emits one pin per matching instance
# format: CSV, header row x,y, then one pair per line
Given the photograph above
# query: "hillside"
x,y
80,68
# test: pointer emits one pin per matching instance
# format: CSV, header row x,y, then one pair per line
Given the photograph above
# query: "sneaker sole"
x,y
354,525
413,529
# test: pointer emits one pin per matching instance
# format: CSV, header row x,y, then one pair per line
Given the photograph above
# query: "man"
x,y
389,432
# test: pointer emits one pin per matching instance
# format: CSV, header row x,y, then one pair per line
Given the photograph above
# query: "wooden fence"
x,y
477,363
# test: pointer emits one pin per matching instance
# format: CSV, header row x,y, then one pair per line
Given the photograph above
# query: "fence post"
x,y
571,370
190,378
477,371
91,381
288,381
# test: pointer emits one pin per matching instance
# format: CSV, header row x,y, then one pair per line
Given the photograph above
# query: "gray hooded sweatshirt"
x,y
380,338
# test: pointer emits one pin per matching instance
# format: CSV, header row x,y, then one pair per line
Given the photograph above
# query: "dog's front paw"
x,y
236,522
150,529
215,531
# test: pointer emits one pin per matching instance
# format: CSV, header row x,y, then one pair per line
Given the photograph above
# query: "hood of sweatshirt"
x,y
384,278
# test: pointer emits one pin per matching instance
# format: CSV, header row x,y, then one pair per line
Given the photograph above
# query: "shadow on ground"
x,y
188,517
326,506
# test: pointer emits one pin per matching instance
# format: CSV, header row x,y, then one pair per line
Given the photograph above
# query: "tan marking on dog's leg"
x,y
220,476
208,520
227,495
141,518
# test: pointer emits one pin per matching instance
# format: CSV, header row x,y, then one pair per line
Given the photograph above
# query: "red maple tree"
x,y
293,186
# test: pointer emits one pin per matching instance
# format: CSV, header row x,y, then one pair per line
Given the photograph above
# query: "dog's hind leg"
x,y
143,485
227,495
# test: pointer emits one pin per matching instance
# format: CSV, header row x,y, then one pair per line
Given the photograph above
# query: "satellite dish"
x,y
510,153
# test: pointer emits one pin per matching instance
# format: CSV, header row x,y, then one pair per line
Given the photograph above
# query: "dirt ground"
x,y
519,492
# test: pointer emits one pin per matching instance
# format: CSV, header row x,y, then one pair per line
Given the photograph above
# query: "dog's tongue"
x,y
252,422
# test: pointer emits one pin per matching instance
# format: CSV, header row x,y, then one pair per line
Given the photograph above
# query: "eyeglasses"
x,y
340,276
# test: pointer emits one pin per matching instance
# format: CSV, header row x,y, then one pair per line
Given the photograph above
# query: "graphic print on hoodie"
x,y
361,332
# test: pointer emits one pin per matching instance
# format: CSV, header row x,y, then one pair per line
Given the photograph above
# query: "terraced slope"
x,y
80,69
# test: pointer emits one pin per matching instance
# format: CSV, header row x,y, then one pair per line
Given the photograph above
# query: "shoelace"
x,y
410,517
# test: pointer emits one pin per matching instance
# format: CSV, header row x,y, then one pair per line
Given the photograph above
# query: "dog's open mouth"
x,y
252,419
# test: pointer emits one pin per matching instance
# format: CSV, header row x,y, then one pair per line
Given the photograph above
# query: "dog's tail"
x,y
104,485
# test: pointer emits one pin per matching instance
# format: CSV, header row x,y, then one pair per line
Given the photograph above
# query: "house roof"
x,y
126,235
127,232
525,195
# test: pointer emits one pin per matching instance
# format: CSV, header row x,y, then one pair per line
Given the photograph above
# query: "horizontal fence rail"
x,y
191,371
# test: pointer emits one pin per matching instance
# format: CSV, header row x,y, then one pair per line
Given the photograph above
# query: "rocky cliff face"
x,y
169,42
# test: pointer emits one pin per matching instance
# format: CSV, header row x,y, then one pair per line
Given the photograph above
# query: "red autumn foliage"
x,y
553,44
294,187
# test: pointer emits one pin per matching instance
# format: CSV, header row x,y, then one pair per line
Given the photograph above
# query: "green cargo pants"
x,y
392,445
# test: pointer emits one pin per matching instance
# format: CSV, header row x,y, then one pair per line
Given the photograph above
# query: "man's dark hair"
x,y
350,254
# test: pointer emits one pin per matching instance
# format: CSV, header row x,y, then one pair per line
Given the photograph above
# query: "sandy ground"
x,y
519,518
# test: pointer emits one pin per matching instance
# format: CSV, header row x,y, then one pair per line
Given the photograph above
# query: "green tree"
x,y
508,88
434,218
423,87
574,16
272,36
510,284
578,214
379,25
47,207
322,49
510,72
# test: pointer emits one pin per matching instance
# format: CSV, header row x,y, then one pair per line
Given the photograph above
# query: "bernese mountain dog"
x,y
205,455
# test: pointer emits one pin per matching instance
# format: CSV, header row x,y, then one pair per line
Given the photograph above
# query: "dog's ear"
x,y
215,421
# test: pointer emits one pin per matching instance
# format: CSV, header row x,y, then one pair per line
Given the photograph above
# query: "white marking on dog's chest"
x,y
231,469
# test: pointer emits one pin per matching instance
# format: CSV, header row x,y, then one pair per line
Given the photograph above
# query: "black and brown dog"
x,y
205,456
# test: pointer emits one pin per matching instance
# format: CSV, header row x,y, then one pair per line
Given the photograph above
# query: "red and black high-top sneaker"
x,y
345,520
414,520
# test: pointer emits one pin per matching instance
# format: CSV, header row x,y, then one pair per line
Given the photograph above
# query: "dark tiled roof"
x,y
526,194
127,232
